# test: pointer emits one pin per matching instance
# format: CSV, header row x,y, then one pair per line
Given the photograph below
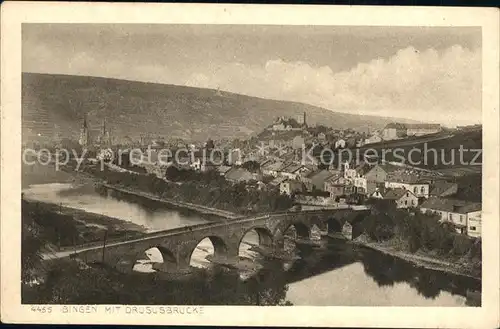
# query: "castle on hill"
x,y
283,123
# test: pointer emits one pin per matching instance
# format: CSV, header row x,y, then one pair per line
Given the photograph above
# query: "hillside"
x,y
54,105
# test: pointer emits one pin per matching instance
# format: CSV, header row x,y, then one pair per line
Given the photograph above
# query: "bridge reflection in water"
x,y
250,255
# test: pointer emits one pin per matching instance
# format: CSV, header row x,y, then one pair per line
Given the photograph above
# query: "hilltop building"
x,y
283,123
400,130
420,129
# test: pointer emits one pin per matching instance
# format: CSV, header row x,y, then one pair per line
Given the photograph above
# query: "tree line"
x,y
205,188
412,231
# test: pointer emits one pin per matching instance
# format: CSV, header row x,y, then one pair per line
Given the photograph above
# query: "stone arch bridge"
x,y
177,245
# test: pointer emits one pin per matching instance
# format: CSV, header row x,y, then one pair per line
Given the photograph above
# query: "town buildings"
x,y
464,215
375,138
272,168
290,186
294,170
340,143
281,168
408,182
298,142
401,197
316,180
335,185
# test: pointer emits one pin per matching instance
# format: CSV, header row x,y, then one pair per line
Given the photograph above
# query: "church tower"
x,y
84,133
104,138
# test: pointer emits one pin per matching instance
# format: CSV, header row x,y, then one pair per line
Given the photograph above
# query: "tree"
x,y
252,166
210,145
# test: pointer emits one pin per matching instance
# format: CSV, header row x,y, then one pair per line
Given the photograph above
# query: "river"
x,y
337,274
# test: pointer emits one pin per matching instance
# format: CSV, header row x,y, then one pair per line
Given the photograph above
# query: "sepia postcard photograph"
x,y
198,164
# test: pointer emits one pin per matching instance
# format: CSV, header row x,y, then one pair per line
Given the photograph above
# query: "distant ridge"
x,y
55,105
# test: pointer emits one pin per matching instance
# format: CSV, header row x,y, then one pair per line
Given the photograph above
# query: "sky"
x,y
430,74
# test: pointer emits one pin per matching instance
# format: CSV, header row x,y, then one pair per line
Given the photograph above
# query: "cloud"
x,y
440,86
431,85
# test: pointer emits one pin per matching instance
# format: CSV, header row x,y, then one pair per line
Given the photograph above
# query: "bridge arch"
x,y
301,229
220,248
264,234
264,238
167,255
155,257
334,225
320,224
357,224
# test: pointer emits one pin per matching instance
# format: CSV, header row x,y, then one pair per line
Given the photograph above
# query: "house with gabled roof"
x,y
272,168
401,197
318,178
410,182
335,185
290,186
294,170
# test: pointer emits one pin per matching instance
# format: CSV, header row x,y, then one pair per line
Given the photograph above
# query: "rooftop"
x,y
273,165
277,181
292,168
293,183
441,187
402,126
223,169
320,175
395,194
451,205
239,174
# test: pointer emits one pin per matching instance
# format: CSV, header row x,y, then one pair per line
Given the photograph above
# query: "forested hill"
x,y
55,105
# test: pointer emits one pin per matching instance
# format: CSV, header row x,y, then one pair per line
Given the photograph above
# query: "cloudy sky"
x,y
428,74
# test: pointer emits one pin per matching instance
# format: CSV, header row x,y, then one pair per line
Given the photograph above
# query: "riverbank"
x,y
205,191
181,204
419,259
64,227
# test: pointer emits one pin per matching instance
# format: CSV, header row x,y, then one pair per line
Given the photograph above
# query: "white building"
x,y
298,142
421,129
272,169
196,164
409,182
400,130
289,187
340,144
235,157
355,175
